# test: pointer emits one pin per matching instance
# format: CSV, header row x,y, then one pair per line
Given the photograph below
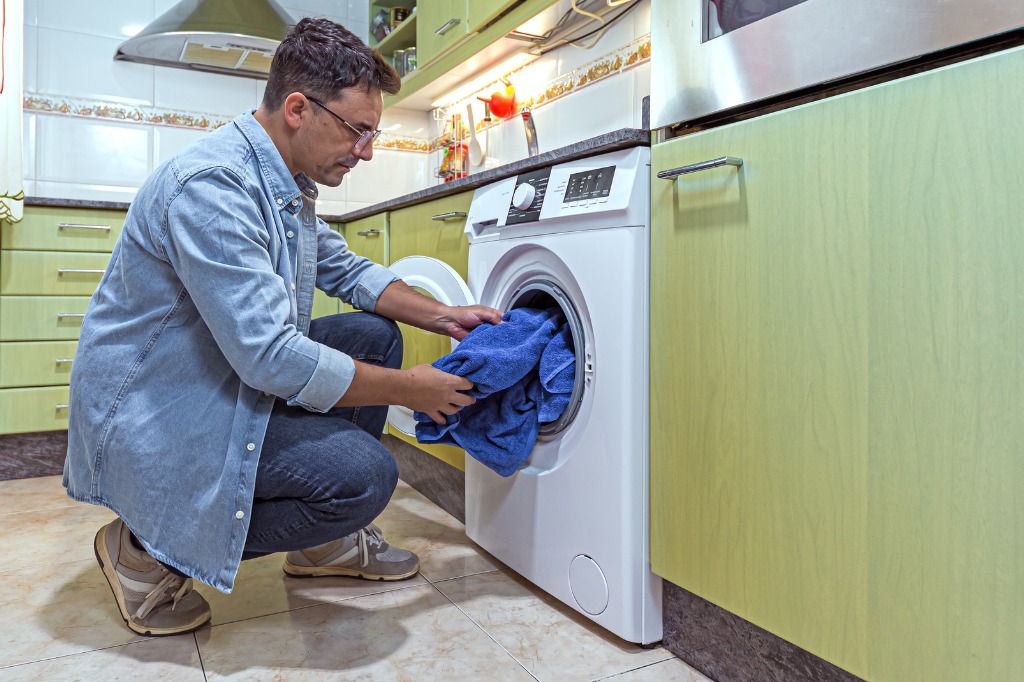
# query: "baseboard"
x,y
438,481
28,455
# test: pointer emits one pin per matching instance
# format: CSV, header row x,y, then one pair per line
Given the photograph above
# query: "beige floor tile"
x,y
414,634
262,588
57,612
32,494
50,536
551,640
413,522
168,659
673,670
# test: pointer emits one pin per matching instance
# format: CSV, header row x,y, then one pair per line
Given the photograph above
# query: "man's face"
x,y
329,146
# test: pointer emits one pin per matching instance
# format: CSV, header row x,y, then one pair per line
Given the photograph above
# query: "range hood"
x,y
235,37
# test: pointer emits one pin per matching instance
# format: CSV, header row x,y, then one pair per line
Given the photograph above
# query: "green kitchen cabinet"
x,y
50,273
837,339
36,363
440,24
434,229
368,237
50,228
480,12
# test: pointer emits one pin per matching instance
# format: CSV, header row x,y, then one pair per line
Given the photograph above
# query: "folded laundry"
x,y
513,396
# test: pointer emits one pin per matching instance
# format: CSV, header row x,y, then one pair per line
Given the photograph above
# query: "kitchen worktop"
x,y
619,139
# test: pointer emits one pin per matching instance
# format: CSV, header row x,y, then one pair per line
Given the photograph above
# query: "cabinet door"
x,y
367,237
27,410
483,11
50,272
440,24
45,228
837,334
34,363
431,229
41,318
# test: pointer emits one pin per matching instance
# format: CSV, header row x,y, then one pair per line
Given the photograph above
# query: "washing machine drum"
x,y
440,281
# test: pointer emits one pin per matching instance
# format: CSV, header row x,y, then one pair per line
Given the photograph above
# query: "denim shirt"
x,y
198,325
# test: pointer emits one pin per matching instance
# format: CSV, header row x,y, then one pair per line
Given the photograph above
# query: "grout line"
x,y
199,651
487,634
140,639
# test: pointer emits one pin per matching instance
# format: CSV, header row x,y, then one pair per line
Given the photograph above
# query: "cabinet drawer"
x,y
26,410
42,273
44,228
33,363
41,318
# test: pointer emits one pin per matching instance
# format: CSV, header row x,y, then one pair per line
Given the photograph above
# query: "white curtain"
x,y
12,180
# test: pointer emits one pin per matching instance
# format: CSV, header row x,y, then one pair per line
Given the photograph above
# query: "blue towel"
x,y
502,361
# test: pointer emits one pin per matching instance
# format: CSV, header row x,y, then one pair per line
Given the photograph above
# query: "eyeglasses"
x,y
366,137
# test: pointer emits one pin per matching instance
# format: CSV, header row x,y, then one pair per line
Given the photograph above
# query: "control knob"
x,y
524,196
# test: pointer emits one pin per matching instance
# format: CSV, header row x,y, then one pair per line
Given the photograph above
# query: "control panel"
x,y
528,197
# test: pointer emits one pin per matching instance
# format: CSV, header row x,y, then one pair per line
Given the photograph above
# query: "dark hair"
x,y
320,58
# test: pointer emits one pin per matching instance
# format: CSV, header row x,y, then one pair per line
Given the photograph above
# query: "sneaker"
x,y
364,554
153,601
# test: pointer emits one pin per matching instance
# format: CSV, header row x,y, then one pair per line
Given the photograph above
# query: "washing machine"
x,y
574,519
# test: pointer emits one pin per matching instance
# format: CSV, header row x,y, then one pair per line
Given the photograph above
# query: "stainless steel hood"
x,y
235,37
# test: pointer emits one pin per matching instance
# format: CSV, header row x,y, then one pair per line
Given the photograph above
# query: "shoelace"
x,y
170,582
370,532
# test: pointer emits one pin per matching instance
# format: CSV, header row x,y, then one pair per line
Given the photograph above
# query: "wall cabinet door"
x,y
837,342
432,229
439,25
483,11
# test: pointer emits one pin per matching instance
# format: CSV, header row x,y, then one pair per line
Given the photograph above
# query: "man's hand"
x,y
458,321
436,393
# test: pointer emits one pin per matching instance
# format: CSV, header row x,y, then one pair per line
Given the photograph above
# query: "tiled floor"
x,y
464,617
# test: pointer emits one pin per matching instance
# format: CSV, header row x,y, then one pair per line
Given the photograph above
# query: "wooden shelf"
x,y
401,38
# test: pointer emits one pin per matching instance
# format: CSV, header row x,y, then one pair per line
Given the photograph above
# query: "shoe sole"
x,y
100,550
338,572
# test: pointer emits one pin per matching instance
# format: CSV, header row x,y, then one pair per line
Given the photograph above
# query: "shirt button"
x,y
266,393
295,202
290,234
239,514
280,201
250,447
293,286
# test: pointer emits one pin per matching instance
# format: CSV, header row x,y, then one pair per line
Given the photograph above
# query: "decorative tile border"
x,y
172,118
611,64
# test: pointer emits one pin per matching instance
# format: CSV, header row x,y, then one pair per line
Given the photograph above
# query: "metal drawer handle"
x,y
449,214
73,226
62,406
444,29
64,361
703,165
61,316
78,271
368,233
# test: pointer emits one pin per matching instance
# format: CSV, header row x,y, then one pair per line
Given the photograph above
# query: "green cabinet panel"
x,y
434,229
324,305
28,273
36,363
45,228
367,237
483,11
837,332
440,24
41,318
27,410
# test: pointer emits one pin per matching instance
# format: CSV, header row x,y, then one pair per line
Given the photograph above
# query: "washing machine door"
x,y
443,283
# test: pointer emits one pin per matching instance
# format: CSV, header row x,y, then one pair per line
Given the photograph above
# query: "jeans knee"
x,y
394,343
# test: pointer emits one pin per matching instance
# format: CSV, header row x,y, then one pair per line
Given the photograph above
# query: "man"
x,y
208,411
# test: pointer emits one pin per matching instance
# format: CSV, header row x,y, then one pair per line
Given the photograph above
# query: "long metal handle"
x,y
62,406
61,316
74,226
368,233
449,214
78,271
444,29
64,361
703,165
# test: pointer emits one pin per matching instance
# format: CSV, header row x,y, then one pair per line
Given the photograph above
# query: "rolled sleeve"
x,y
330,380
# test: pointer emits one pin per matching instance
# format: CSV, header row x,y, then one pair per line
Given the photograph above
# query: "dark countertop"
x,y
623,138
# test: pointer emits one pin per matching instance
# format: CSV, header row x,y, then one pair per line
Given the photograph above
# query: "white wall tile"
x,y
261,87
31,190
28,146
389,174
332,194
108,18
87,151
620,33
599,108
30,53
76,190
641,89
77,65
410,122
31,12
169,141
211,93
642,18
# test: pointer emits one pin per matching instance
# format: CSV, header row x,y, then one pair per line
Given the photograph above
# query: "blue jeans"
x,y
324,476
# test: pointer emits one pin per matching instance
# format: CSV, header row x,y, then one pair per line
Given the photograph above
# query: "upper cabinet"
x,y
440,24
483,11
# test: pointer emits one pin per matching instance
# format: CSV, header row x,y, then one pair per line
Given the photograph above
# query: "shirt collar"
x,y
283,187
